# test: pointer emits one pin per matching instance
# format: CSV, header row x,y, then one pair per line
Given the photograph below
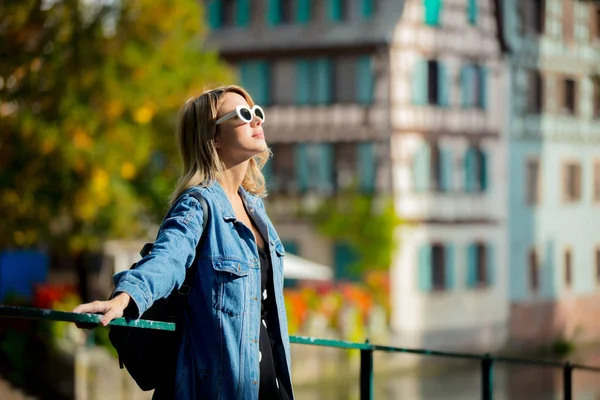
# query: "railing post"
x,y
568,381
366,374
487,378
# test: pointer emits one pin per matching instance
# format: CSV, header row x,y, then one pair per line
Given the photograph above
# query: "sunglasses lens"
x,y
259,113
245,114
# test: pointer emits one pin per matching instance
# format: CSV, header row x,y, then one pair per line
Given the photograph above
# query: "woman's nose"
x,y
256,121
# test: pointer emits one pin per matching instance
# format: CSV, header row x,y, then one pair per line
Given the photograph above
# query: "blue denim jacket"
x,y
219,353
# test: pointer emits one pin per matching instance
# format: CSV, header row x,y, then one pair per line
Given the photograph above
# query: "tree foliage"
x,y
88,95
366,223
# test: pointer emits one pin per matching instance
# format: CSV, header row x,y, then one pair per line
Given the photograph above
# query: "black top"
x,y
270,386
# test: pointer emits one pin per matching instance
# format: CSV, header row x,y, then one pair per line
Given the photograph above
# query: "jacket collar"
x,y
224,204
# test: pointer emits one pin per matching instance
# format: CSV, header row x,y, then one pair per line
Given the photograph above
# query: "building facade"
x,y
400,98
554,169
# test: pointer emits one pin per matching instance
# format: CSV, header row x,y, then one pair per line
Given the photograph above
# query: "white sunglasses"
x,y
245,114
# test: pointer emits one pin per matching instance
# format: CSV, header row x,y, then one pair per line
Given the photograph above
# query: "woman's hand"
x,y
111,309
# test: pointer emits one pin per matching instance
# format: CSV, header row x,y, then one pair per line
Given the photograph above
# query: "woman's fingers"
x,y
94,307
112,313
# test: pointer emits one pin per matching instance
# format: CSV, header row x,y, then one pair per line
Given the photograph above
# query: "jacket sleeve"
x,y
164,269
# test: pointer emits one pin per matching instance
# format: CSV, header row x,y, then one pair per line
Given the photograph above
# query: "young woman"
x,y
235,342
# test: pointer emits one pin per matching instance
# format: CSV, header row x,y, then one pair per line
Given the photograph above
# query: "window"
x,y
313,81
475,167
433,92
481,276
283,168
597,181
568,269
282,89
534,91
430,83
435,167
479,265
597,264
571,182
438,267
473,82
533,14
532,182
228,13
569,100
345,78
568,20
534,279
345,165
339,10
595,21
596,96
286,8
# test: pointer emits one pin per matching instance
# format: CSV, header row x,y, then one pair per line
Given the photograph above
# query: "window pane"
x,y
568,272
597,181
436,167
438,267
283,168
569,99
533,271
345,79
534,91
283,82
532,182
228,14
432,82
345,165
481,265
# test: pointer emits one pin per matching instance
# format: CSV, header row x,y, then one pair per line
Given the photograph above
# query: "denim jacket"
x,y
219,352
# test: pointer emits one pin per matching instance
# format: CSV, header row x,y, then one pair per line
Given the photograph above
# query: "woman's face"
x,y
238,141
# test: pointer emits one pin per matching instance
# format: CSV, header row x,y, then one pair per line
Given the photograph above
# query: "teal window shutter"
x,y
303,11
290,246
470,165
263,83
366,80
472,11
245,72
367,8
472,265
335,10
302,82
483,171
433,10
483,86
325,167
425,267
367,164
449,264
443,85
243,13
273,12
215,13
420,82
302,167
345,259
464,85
422,168
490,264
323,81
446,173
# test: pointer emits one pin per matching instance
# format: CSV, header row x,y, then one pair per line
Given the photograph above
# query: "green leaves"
x,y
88,100
366,223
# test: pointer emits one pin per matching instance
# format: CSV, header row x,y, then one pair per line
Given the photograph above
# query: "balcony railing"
x,y
367,349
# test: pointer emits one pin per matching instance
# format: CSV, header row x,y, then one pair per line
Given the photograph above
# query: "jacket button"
x,y
255,298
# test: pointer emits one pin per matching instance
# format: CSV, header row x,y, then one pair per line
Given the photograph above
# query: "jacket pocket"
x,y
231,286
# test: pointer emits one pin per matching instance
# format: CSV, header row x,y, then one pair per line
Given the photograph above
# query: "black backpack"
x,y
150,355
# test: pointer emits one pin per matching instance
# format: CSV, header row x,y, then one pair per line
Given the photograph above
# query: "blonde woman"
x,y
235,342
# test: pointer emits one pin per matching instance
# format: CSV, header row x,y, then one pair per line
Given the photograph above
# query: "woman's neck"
x,y
232,178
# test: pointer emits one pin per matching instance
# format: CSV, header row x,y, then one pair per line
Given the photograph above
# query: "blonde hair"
x,y
196,133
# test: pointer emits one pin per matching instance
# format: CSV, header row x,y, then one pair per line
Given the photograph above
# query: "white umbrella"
x,y
295,267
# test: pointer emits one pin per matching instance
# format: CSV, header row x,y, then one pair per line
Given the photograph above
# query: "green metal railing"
x,y
367,349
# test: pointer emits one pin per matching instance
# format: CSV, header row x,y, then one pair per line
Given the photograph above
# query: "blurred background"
x,y
435,179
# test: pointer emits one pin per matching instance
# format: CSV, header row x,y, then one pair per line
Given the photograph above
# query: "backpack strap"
x,y
187,285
